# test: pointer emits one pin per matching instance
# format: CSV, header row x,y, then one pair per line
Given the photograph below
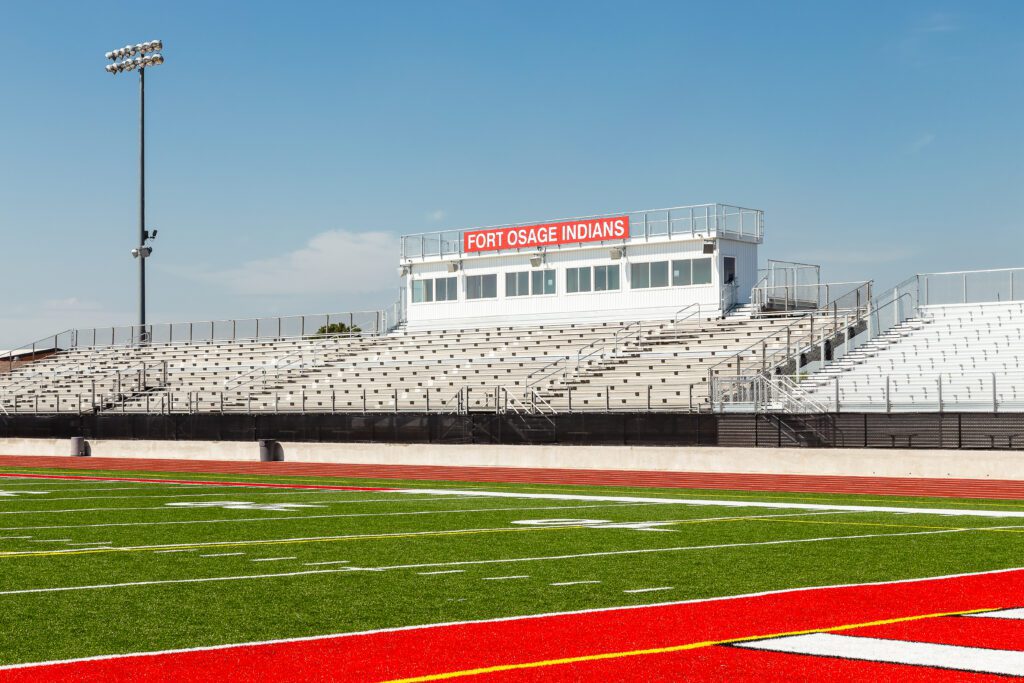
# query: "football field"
x,y
342,573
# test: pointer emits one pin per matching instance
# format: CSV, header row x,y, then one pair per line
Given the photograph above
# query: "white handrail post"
x,y
995,397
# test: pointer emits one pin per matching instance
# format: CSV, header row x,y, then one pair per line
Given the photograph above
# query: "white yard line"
x,y
166,508
317,564
398,534
270,559
176,550
731,503
92,543
572,583
222,555
649,590
446,571
247,492
427,565
336,516
503,578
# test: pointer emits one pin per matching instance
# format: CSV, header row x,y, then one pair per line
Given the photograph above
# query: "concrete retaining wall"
x,y
1007,465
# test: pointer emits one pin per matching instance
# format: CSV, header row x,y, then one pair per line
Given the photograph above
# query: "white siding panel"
x,y
626,304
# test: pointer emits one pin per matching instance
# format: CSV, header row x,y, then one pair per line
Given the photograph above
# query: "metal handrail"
x,y
536,398
712,219
792,350
625,331
799,345
759,293
207,331
676,319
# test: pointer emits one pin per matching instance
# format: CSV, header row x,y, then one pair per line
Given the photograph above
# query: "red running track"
x,y
674,641
892,486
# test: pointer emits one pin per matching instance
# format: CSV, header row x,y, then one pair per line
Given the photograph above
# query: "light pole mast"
x,y
148,55
142,204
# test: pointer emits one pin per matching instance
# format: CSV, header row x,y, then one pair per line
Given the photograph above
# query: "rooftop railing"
x,y
699,220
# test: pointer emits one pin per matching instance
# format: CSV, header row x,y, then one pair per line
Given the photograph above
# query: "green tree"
x,y
337,328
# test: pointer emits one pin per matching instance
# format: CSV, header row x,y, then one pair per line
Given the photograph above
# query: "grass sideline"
x,y
359,560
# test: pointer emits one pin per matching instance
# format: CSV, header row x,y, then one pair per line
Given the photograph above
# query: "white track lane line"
x,y
959,658
610,553
732,503
1017,613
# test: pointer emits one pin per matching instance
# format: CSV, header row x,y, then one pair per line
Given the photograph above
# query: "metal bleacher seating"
x,y
963,357
624,366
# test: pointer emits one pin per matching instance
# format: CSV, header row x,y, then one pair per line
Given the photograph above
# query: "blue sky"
x,y
289,144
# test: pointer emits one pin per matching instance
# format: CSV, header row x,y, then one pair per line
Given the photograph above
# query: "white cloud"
x,y
436,216
938,22
333,262
70,304
922,141
928,40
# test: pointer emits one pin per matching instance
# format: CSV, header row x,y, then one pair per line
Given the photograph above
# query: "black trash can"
x,y
271,451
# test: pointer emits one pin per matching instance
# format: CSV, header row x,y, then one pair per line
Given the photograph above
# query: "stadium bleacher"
x,y
639,365
967,356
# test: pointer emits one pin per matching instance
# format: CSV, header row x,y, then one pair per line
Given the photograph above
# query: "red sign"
x,y
546,234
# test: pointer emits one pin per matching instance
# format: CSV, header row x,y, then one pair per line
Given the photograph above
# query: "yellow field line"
x,y
674,648
898,526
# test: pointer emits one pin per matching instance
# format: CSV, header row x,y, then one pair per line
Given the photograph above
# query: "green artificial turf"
x,y
386,548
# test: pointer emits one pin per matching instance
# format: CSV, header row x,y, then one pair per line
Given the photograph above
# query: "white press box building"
x,y
631,266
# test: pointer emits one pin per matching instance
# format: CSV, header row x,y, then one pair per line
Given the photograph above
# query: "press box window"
x,y
606,278
517,284
577,280
644,275
441,289
702,271
543,282
422,291
446,289
481,286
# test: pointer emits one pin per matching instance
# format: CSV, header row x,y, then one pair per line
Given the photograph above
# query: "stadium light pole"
x,y
137,58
